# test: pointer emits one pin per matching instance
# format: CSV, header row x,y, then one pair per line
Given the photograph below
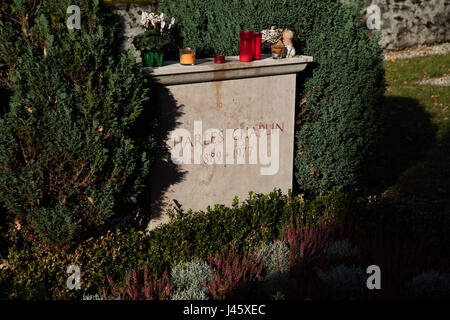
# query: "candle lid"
x,y
247,34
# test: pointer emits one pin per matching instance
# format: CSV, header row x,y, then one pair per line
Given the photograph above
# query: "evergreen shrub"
x,y
190,279
341,251
431,284
275,258
347,283
71,161
338,103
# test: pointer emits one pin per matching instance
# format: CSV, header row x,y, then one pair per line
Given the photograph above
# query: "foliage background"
x,y
73,158
338,104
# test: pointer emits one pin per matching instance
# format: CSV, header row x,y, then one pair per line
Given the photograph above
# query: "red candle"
x,y
257,41
253,46
219,58
245,48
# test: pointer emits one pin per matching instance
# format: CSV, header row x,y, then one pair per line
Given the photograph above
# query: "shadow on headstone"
x,y
160,115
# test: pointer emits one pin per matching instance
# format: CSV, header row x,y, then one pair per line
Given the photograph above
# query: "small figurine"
x,y
287,41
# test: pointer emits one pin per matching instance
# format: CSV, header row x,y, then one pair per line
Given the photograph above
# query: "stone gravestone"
x,y
231,131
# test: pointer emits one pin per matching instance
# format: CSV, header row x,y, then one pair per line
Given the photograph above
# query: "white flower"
x,y
163,17
145,20
154,21
148,18
172,22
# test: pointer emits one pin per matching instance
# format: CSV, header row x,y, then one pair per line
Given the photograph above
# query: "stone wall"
x,y
404,23
407,23
131,27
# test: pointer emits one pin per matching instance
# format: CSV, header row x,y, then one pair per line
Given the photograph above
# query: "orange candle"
x,y
276,50
187,58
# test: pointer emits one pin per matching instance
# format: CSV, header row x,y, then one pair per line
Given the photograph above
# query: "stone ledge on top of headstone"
x,y
205,70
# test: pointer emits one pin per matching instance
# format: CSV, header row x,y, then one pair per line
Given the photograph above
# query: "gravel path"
x,y
443,81
443,48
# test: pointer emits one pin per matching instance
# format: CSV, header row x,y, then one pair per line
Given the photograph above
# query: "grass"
x,y
410,168
413,156
409,172
401,77
430,176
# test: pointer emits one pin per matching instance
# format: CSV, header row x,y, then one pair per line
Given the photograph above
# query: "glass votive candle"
x,y
276,51
257,46
246,46
187,56
219,58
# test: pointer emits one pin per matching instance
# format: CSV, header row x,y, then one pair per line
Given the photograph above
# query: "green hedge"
x,y
198,234
339,115
342,111
40,271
